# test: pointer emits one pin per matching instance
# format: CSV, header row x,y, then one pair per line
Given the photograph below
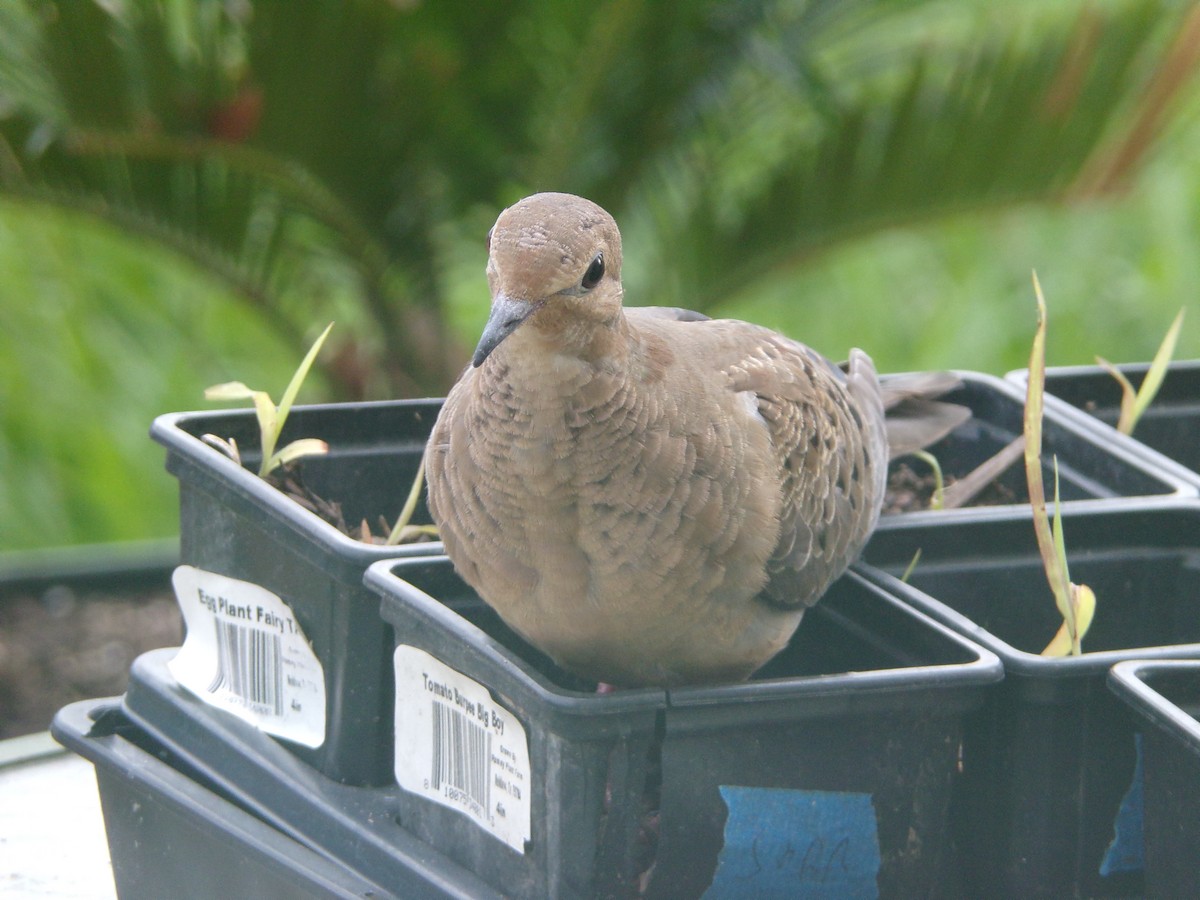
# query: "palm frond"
x,y
784,169
277,143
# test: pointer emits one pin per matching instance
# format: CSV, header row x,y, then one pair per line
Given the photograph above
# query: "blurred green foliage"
x,y
190,189
955,293
97,335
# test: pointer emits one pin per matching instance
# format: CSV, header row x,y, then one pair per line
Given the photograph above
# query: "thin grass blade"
x,y
912,565
293,388
297,449
1084,600
1127,418
410,505
269,427
938,499
230,390
1033,448
1060,644
1062,592
1158,370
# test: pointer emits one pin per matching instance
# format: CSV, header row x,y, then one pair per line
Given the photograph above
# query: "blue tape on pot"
x,y
1127,851
788,843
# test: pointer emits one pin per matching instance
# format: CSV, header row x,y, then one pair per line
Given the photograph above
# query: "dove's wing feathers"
x,y
830,457
916,424
915,418
826,456
896,389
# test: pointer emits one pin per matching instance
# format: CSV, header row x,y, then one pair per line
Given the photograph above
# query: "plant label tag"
x,y
245,653
456,746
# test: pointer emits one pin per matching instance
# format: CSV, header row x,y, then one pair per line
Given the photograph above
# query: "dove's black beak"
x,y
506,315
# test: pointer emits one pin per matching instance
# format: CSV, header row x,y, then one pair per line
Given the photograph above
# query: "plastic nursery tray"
x,y
831,770
1165,699
1091,466
1048,761
169,836
235,524
1169,425
354,825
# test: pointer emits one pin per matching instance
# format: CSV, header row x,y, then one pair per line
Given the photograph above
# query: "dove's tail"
x,y
915,418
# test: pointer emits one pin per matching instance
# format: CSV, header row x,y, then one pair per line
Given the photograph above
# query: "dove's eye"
x,y
594,273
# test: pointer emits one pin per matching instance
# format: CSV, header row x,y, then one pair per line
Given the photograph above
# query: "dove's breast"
x,y
617,522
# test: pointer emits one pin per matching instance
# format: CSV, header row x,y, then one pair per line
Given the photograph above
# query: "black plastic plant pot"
x,y
1048,762
1169,425
353,825
830,770
169,836
1165,699
1092,467
234,523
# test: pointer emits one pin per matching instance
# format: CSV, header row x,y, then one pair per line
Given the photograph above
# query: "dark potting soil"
x,y
58,646
909,491
290,481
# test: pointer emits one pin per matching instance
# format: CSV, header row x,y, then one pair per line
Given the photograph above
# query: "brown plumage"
x,y
649,496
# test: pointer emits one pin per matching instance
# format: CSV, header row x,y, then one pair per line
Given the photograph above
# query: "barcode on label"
x,y
462,752
457,746
249,664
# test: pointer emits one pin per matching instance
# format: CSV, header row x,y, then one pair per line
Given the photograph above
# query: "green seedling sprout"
x,y
1067,641
271,418
939,483
912,565
403,532
1134,403
1076,603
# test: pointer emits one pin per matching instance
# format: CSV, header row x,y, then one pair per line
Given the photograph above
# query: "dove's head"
x,y
554,261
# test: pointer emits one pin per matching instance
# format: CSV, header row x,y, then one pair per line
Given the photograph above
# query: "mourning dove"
x,y
649,496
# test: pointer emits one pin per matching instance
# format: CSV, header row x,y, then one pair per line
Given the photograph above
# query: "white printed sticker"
x,y
245,653
456,746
